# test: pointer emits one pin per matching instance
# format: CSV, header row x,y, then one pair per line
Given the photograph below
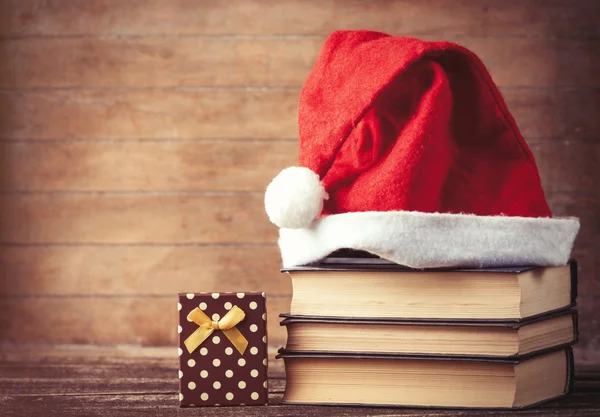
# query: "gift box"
x,y
222,349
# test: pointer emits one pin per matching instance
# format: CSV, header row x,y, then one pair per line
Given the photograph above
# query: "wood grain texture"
x,y
198,113
143,166
568,166
140,270
198,166
142,321
580,404
135,218
586,208
272,62
588,263
149,113
555,113
588,306
126,381
156,62
298,17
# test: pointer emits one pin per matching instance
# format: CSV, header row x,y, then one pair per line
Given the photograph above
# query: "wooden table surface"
x,y
127,381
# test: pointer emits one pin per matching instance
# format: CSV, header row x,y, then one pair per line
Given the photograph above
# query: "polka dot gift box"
x,y
222,349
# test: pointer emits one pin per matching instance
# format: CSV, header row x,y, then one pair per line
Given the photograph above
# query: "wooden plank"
x,y
149,113
184,17
143,166
235,166
585,207
165,404
273,62
588,263
582,404
568,166
135,218
140,270
588,306
145,321
241,113
564,114
538,62
156,62
65,356
65,386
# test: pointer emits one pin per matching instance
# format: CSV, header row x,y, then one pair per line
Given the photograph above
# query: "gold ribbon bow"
x,y
207,327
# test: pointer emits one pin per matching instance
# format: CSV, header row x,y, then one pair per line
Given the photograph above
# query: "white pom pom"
x,y
294,198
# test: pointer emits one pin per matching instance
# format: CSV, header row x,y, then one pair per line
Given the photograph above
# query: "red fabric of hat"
x,y
393,123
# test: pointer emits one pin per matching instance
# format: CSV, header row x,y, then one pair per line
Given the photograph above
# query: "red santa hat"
x,y
408,151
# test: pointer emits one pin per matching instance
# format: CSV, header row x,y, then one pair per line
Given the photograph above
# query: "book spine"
x,y
570,370
574,280
575,327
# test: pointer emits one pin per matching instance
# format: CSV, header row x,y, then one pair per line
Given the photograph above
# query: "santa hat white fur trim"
x,y
429,240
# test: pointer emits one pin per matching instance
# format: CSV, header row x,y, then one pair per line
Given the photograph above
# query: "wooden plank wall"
x,y
136,138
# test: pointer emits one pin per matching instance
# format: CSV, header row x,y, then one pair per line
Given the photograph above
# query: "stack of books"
x,y
365,331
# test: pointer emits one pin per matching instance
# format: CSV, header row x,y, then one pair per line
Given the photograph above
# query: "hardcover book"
x,y
431,337
375,288
404,381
